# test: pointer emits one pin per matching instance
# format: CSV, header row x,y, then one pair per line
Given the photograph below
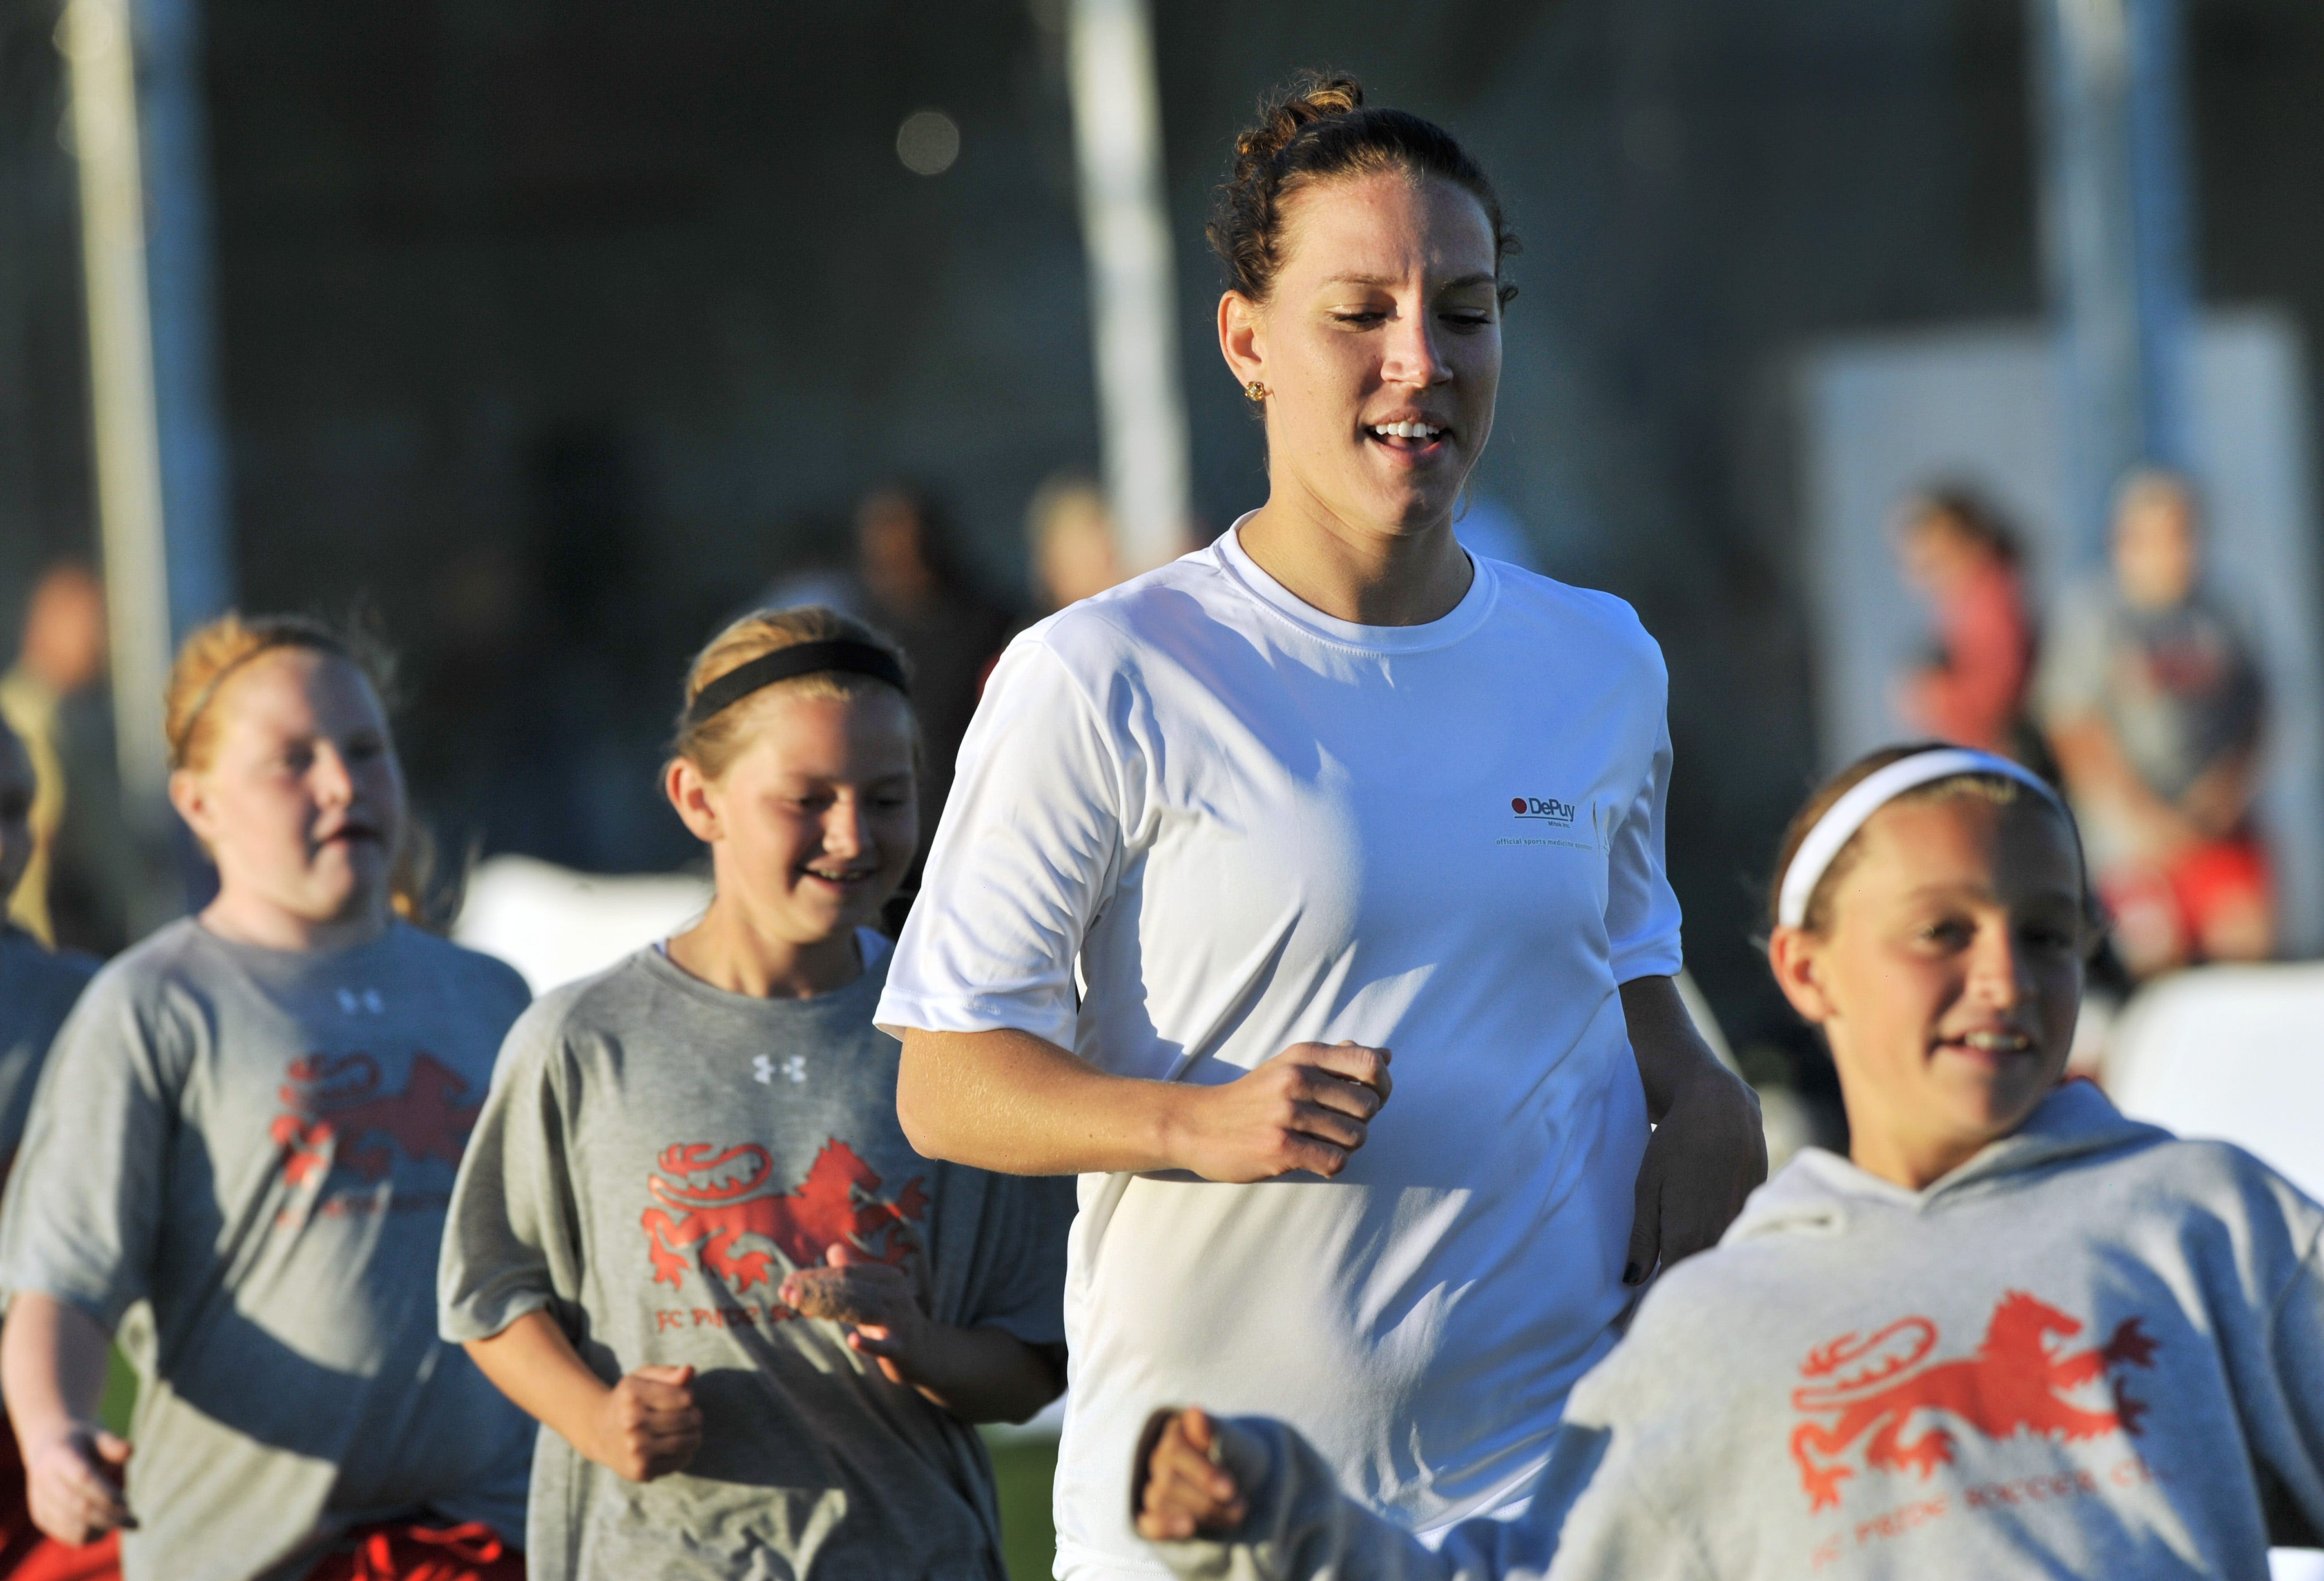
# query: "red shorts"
x,y
28,1554
403,1551
2227,874
51,1560
2168,913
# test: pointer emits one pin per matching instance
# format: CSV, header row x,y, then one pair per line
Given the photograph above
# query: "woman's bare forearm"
x,y
52,1362
1663,1040
986,1374
1012,1103
1019,1104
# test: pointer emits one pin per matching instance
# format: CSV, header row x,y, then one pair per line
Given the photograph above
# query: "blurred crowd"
x,y
2138,692
904,573
75,888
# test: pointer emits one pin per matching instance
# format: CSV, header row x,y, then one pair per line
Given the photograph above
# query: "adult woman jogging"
x,y
1232,841
248,1131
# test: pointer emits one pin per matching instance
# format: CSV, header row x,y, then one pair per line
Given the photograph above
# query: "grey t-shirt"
x,y
655,1155
258,1147
2178,686
37,988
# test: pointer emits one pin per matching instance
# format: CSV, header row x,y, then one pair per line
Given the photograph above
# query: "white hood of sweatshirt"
x,y
1815,1192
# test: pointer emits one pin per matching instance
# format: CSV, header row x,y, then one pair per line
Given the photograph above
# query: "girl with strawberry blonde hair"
x,y
2011,1334
238,1162
756,1326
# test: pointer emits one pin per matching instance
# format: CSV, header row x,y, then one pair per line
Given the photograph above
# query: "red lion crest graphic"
x,y
2017,1382
722,1198
334,1106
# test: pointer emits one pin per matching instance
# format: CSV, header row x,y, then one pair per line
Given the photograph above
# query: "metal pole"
x,y
1126,232
2115,211
199,541
96,38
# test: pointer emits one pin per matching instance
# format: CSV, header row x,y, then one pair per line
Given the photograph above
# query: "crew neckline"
x,y
334,955
1457,623
873,945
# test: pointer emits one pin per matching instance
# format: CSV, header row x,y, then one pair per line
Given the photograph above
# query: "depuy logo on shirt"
x,y
1547,809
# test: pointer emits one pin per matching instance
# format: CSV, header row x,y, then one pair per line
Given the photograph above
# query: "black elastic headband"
x,y
783,663
269,642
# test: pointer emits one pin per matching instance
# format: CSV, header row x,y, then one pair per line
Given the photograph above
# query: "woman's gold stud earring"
x,y
1255,390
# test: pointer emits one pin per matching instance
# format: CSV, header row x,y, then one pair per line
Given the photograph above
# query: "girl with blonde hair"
x,y
691,1238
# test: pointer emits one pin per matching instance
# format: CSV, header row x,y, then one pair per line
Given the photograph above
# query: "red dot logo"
x,y
1516,804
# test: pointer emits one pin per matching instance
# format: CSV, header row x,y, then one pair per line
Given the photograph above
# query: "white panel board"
x,y
555,925
2232,1053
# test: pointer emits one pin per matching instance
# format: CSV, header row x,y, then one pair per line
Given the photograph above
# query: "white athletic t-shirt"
x,y
1196,821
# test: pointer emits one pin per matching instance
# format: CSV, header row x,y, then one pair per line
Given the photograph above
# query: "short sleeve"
x,y
511,1225
1020,1284
1028,850
501,986
1642,911
83,1213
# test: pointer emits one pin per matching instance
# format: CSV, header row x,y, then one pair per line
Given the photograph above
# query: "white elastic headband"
x,y
1867,796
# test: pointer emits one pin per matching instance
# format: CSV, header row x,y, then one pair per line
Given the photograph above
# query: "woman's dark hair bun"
x,y
1307,98
1314,129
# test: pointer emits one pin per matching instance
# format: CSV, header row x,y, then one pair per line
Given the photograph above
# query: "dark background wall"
x,y
44,477
556,329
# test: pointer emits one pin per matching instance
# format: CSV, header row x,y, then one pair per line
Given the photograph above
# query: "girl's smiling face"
x,y
1946,976
814,823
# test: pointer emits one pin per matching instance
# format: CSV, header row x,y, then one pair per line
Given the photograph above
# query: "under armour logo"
x,y
762,1068
368,1002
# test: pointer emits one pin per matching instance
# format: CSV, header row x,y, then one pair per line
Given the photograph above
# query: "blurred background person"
x,y
38,987
1070,541
75,884
907,579
2150,697
1964,559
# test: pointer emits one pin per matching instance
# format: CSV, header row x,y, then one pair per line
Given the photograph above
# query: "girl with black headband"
x,y
690,1237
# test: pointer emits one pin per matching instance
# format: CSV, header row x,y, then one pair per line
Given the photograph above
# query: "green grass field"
x,y
1023,1469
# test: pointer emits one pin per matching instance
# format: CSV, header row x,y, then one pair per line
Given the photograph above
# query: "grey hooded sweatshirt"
x,y
2094,1350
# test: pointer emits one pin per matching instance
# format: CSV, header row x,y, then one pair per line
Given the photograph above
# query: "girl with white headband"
x,y
2011,1334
